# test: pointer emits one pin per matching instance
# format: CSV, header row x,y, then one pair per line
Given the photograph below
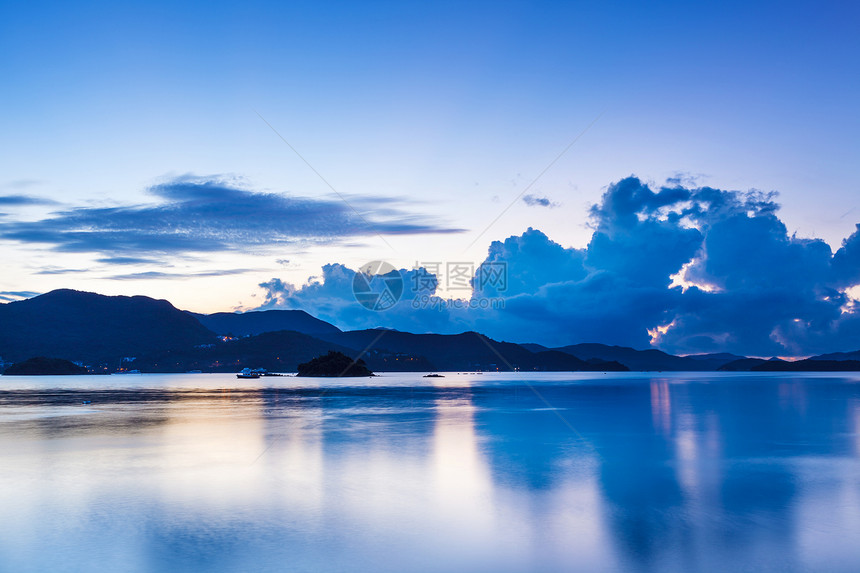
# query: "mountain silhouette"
x,y
814,364
468,351
334,364
838,356
100,331
41,366
93,328
258,322
647,360
280,351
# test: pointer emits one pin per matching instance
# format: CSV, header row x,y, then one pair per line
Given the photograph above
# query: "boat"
x,y
248,373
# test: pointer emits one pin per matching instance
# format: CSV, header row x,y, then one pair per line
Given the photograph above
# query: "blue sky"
x,y
429,120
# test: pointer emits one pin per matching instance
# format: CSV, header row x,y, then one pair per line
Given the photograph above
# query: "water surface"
x,y
492,472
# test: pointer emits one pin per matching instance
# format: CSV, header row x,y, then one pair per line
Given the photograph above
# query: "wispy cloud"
x,y
211,214
686,179
150,275
60,271
13,295
535,201
24,200
127,261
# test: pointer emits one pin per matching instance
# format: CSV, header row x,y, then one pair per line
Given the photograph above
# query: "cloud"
x,y
212,214
531,261
688,269
535,201
685,179
13,295
60,271
127,261
149,275
846,261
24,200
330,297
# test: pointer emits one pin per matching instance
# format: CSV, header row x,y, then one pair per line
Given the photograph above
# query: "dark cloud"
x,y
686,269
532,261
535,201
637,241
209,214
846,261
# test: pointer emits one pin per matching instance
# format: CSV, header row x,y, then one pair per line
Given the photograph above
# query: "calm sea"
x,y
491,473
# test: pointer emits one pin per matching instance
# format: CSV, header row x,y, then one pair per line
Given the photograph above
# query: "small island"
x,y
334,364
41,366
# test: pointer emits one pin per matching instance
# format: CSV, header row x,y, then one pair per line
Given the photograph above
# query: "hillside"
x,y
93,328
41,366
258,322
838,356
100,331
647,360
334,364
467,351
808,365
279,351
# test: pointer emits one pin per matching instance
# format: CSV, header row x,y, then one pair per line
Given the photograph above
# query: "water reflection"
x,y
661,406
631,474
461,478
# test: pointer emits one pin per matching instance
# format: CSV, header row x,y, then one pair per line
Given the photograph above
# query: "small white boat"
x,y
248,373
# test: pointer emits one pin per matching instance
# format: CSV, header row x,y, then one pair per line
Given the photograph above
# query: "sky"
x,y
238,156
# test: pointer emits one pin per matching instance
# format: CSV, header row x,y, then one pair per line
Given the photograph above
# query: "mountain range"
x,y
110,333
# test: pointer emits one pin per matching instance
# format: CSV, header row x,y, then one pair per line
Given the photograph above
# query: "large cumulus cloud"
x,y
686,269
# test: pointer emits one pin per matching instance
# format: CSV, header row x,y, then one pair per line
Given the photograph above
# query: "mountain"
x,y
467,351
647,360
838,356
102,330
382,350
741,365
258,322
723,357
334,365
814,364
279,351
808,365
41,366
92,328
